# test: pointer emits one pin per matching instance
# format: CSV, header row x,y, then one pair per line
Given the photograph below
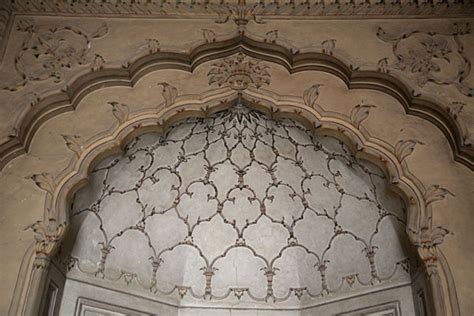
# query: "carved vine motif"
x,y
47,52
239,71
271,180
431,57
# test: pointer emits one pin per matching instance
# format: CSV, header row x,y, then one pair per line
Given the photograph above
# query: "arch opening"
x,y
242,212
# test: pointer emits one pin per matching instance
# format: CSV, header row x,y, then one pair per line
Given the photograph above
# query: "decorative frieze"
x,y
241,11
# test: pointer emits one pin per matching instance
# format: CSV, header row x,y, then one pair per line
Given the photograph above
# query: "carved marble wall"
x,y
79,79
240,208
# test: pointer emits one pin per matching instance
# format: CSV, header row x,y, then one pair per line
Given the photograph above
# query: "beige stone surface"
x,y
22,203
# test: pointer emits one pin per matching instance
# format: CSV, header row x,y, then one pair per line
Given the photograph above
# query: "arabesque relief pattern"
x,y
48,51
239,204
431,57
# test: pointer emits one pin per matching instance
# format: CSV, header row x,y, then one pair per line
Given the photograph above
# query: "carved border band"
x,y
272,8
128,75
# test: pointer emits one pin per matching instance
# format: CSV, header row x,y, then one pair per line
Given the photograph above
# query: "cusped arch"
x,y
51,231
69,98
359,141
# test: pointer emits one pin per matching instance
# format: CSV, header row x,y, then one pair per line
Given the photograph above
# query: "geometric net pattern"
x,y
239,206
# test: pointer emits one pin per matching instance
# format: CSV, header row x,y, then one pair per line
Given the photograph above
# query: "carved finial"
x,y
311,94
13,133
120,111
97,63
44,181
209,35
328,46
153,45
271,36
169,93
435,193
403,148
382,65
72,142
359,113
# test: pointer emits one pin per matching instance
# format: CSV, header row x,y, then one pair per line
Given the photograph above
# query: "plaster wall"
x,y
356,42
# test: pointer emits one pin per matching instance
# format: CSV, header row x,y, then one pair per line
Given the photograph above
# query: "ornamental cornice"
x,y
270,9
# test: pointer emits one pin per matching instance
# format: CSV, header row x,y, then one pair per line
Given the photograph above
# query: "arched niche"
x,y
239,210
61,189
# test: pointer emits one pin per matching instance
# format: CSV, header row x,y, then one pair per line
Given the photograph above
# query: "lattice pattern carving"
x,y
239,206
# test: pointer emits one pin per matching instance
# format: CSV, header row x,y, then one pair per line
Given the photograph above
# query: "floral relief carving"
x,y
169,93
311,94
73,143
427,245
239,71
47,52
47,236
359,113
240,13
44,181
433,57
120,111
404,148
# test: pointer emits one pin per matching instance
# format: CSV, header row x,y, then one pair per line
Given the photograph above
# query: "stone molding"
x,y
68,99
270,9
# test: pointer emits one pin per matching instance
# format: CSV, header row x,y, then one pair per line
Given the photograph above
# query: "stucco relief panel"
x,y
432,57
48,51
